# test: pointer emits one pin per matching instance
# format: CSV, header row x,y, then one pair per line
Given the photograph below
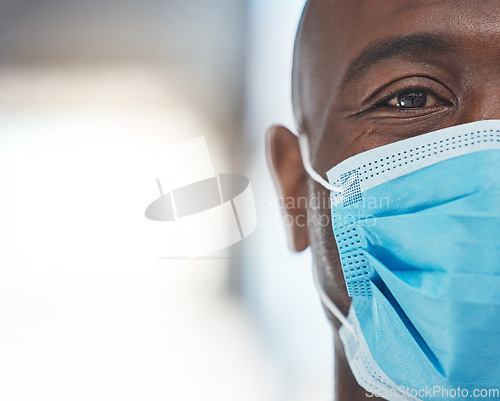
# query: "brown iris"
x,y
412,100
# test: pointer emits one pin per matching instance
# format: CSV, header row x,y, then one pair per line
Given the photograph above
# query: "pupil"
x,y
412,100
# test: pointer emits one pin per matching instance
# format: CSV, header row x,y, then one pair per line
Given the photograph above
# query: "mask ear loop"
x,y
306,160
325,299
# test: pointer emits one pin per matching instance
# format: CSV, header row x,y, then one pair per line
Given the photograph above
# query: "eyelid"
x,y
395,94
425,84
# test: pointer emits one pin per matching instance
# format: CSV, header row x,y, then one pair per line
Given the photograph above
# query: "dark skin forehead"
x,y
352,55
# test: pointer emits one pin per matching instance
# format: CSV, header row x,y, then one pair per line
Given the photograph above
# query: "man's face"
x,y
363,54
372,72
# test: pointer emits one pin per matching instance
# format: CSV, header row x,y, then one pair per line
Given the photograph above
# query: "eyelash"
x,y
396,93
442,95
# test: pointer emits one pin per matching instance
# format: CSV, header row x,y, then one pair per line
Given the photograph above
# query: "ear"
x,y
290,178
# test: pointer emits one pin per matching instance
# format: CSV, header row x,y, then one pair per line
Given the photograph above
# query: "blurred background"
x,y
97,302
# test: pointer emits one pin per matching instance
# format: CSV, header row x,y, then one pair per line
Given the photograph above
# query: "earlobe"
x,y
290,178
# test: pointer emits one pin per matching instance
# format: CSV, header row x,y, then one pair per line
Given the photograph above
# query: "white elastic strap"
x,y
306,160
325,299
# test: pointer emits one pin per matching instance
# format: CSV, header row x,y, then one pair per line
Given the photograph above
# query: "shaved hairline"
x,y
296,67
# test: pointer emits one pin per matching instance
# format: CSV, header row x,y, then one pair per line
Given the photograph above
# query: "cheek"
x,y
365,137
325,251
346,140
354,137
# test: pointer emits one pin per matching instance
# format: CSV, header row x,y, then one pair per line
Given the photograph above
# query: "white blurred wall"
x,y
278,284
92,92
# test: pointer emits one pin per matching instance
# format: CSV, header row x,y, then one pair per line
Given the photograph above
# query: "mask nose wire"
x,y
325,299
306,160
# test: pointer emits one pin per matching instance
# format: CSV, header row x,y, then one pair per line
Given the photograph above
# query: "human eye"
x,y
414,99
406,98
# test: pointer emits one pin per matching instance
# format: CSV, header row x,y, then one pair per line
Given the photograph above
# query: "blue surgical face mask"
x,y
417,226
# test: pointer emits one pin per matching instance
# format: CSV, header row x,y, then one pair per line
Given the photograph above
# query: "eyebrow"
x,y
406,46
